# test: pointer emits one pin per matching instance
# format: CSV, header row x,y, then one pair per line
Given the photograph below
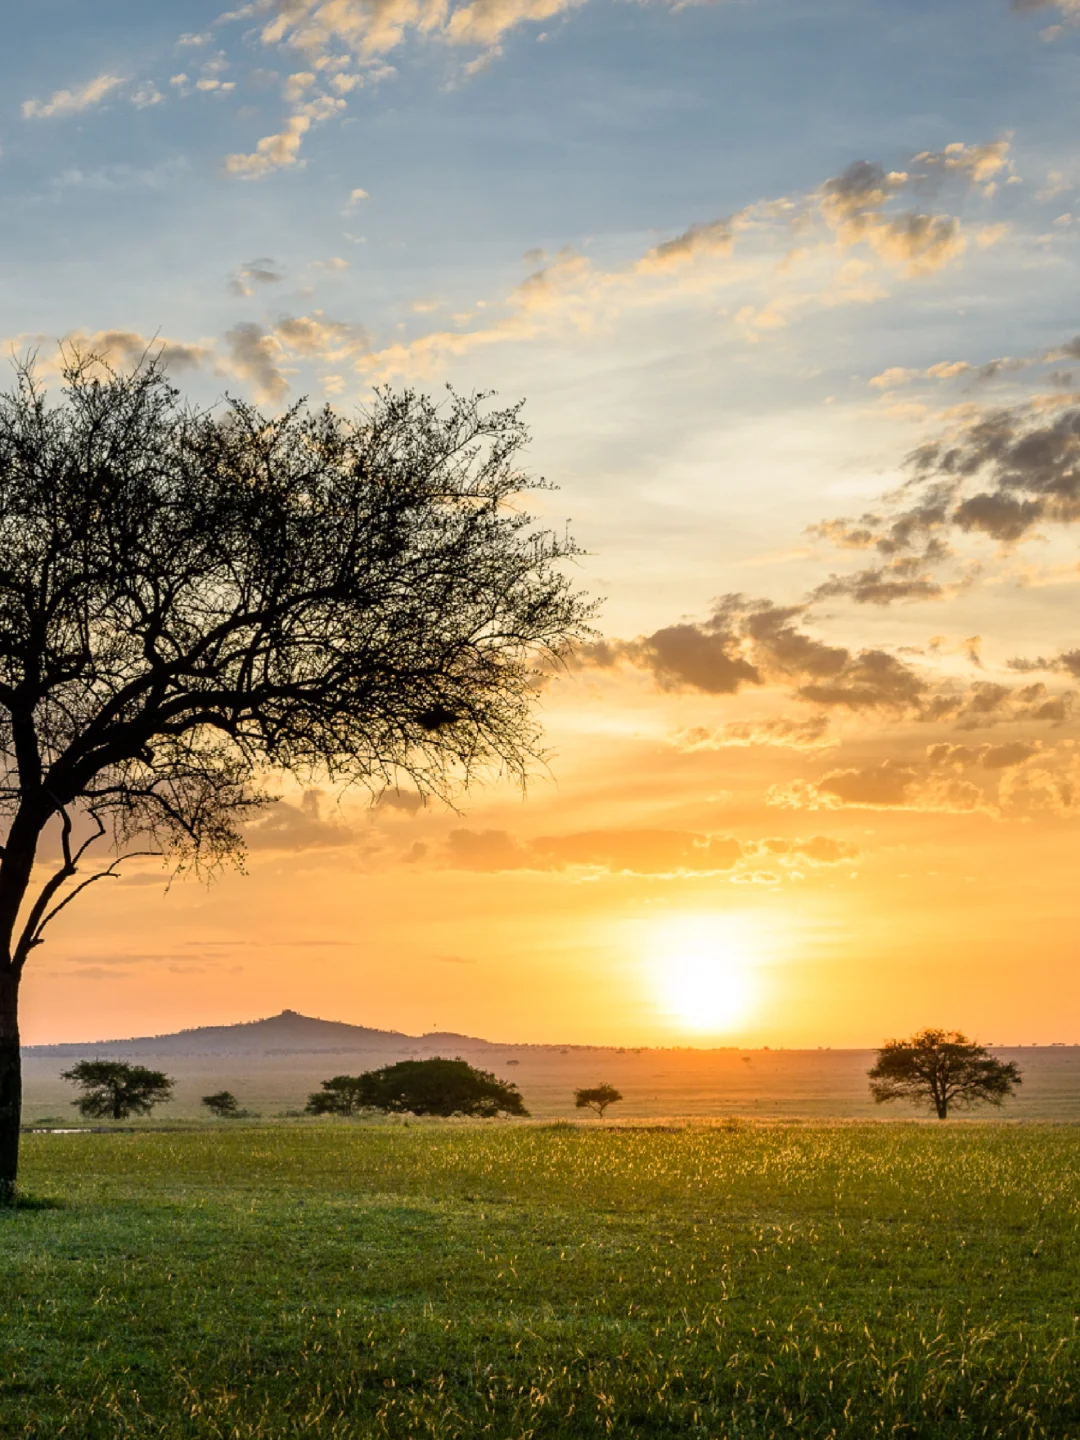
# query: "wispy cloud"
x,y
837,244
73,102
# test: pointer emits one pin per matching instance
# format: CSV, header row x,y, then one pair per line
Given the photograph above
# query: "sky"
x,y
790,293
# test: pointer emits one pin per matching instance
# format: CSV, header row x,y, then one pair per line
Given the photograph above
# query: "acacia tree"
x,y
941,1068
438,1087
113,1090
192,602
598,1098
223,1105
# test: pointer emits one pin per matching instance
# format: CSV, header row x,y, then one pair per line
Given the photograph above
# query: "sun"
x,y
704,971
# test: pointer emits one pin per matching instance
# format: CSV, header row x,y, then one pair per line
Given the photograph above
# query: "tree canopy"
x,y
942,1069
343,1095
597,1098
193,603
420,1087
115,1091
224,1105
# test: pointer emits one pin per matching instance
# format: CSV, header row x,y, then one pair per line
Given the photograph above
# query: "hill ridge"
x,y
289,1029
288,1032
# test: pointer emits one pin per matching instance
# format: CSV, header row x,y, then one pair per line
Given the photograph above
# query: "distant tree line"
x,y
941,1069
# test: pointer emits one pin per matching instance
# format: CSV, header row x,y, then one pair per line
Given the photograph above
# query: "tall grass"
x,y
338,1281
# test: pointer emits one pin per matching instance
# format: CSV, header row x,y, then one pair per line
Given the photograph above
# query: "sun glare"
x,y
705,972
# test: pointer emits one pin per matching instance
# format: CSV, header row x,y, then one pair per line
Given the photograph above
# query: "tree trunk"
x,y
10,1084
942,1109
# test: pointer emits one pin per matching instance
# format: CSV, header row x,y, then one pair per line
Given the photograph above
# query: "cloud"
x,y
773,240
1069,10
73,102
317,338
296,827
854,206
828,675
254,356
1026,468
756,642
1068,663
818,850
640,852
1002,475
1032,788
408,801
485,22
122,349
715,237
263,271
979,164
890,785
272,152
694,657
258,354
878,785
145,95
635,852
899,579
809,734
990,757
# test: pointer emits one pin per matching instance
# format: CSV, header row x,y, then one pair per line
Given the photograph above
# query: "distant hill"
x,y
286,1034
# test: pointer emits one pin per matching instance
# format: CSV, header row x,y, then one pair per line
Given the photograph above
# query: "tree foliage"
x,y
224,1105
343,1095
192,602
115,1091
942,1069
598,1098
420,1087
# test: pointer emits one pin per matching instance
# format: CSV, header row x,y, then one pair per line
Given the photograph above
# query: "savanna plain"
x,y
739,1278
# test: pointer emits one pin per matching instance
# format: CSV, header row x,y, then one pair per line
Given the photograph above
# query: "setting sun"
x,y
704,968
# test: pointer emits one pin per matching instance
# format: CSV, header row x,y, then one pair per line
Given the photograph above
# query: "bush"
x,y
225,1106
419,1087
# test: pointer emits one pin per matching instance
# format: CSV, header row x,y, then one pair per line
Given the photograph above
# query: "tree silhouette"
x,y
598,1098
419,1087
192,600
943,1069
114,1091
343,1095
223,1105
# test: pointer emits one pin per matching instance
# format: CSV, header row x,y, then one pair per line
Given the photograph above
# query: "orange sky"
x,y
650,894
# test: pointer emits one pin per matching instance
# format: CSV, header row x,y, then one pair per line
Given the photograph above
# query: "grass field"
x,y
351,1280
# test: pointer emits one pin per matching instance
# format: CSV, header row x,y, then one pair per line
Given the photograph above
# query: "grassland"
x,y
341,1280
757,1084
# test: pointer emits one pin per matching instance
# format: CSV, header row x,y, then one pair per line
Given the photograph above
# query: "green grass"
x,y
336,1280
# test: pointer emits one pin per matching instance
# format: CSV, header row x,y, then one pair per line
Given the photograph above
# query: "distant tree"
x,y
343,1095
943,1069
224,1105
113,1090
423,1087
598,1098
193,600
